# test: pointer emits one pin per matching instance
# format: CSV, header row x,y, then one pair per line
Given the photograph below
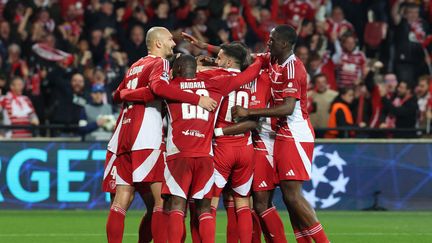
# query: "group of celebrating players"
x,y
232,128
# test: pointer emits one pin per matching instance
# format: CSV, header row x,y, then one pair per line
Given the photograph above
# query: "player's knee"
x,y
260,206
177,203
241,202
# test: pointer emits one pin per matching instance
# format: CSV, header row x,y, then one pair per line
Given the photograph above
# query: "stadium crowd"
x,y
368,62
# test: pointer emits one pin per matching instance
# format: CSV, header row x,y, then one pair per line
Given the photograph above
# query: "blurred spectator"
x,y
337,25
350,62
340,113
135,47
322,97
68,98
15,66
96,118
319,65
423,97
410,33
3,85
18,110
302,52
402,110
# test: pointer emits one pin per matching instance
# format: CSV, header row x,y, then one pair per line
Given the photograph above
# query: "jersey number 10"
x,y
240,98
192,111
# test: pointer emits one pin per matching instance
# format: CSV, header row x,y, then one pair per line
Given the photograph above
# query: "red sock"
x,y
145,229
194,223
316,231
184,231
302,236
268,238
115,224
244,224
158,225
232,233
274,225
213,211
207,228
256,228
175,226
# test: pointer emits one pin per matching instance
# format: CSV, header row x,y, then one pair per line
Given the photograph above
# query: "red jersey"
x,y
349,68
140,125
262,137
241,97
17,110
294,11
290,80
190,128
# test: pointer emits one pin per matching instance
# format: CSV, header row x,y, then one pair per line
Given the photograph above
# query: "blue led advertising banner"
x,y
346,176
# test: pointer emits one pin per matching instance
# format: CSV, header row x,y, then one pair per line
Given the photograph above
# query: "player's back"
x,y
139,119
190,127
241,97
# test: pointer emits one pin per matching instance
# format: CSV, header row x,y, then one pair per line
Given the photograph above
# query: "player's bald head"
x,y
160,42
154,34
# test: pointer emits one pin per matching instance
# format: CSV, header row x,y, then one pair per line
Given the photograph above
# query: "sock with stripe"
x,y
194,223
175,226
302,236
213,211
145,229
244,224
256,228
232,233
115,224
158,225
274,225
317,233
207,228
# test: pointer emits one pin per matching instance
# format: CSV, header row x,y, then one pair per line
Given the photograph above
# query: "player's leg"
x,y
178,178
292,171
263,186
122,199
232,234
201,190
148,165
176,219
207,223
145,233
241,183
194,222
159,215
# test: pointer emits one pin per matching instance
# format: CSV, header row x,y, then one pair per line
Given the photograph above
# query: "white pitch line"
x,y
130,234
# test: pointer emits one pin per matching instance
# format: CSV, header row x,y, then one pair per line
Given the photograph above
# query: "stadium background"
x,y
50,180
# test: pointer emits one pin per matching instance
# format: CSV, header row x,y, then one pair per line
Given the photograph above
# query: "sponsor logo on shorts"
x,y
290,173
193,133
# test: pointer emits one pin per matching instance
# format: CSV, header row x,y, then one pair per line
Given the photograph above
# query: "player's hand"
x,y
239,112
207,103
194,41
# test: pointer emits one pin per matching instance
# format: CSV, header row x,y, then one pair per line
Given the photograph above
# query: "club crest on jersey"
x,y
165,76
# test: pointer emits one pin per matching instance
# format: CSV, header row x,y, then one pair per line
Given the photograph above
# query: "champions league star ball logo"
x,y
328,182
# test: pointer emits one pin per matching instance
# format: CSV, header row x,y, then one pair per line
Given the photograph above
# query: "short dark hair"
x,y
185,61
320,75
287,33
238,51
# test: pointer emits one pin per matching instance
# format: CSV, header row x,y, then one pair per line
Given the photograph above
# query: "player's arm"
x,y
160,86
200,44
283,110
238,128
116,96
143,95
230,83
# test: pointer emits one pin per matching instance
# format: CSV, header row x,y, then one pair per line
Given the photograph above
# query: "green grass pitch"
x,y
89,226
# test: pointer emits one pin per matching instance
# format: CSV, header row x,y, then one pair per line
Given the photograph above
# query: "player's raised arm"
x,y
200,44
234,82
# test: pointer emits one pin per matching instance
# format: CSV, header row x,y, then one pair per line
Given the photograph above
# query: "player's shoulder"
x,y
213,72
